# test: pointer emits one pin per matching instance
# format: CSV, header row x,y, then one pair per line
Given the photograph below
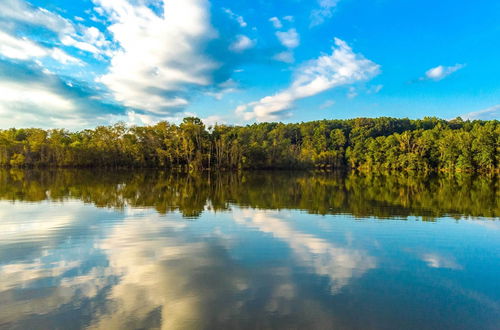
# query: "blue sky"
x,y
78,64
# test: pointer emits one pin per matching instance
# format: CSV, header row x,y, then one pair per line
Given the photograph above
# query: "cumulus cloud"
x,y
239,19
242,43
342,67
18,13
214,120
160,55
289,39
352,93
276,22
228,86
31,92
485,114
325,11
440,72
15,94
30,97
25,49
286,56
152,56
91,40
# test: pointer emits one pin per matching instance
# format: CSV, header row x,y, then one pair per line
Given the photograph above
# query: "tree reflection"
x,y
382,196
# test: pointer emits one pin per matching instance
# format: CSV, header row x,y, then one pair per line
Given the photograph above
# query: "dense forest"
x,y
382,144
317,192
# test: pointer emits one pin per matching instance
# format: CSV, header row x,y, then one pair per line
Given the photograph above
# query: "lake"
x,y
252,250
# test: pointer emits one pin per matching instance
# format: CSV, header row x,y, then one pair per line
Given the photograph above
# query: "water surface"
x,y
267,250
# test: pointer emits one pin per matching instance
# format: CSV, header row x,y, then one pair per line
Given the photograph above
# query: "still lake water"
x,y
262,250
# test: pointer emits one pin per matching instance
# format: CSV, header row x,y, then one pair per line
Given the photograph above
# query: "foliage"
x,y
381,144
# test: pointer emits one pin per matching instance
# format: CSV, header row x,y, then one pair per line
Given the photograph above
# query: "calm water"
x,y
82,249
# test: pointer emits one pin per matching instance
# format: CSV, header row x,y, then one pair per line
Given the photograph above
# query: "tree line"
x,y
381,144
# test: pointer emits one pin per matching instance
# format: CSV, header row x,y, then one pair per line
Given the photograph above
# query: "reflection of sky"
x,y
48,257
324,258
107,269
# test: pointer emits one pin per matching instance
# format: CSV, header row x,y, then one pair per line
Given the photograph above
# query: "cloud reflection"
x,y
141,270
169,278
324,258
435,260
41,270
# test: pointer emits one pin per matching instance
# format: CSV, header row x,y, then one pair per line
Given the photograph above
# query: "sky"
x,y
83,63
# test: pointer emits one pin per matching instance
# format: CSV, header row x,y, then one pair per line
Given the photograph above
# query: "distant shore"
x,y
379,145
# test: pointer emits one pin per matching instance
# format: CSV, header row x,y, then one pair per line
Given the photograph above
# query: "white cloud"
x,y
213,120
325,10
286,56
13,93
21,11
352,93
134,118
88,39
229,86
289,39
62,57
342,67
31,96
130,118
276,22
485,114
91,40
69,41
241,44
37,105
239,19
25,49
440,72
21,49
159,56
